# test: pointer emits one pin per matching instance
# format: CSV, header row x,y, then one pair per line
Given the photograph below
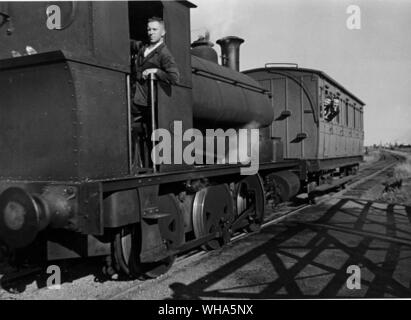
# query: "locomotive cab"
x,y
173,103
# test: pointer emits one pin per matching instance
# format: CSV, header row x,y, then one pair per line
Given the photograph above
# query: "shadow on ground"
x,y
17,280
308,257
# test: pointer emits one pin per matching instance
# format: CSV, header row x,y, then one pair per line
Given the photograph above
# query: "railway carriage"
x,y
69,186
301,125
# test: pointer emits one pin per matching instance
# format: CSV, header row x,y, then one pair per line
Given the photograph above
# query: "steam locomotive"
x,y
69,187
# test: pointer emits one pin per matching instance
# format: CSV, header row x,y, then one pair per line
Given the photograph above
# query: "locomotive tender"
x,y
67,184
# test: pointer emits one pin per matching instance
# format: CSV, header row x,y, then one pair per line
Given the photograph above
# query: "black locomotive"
x,y
68,179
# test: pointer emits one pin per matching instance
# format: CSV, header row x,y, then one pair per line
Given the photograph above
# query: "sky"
x,y
373,62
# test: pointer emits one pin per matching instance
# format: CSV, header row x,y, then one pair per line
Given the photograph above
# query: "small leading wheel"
x,y
126,249
213,212
126,253
249,194
128,242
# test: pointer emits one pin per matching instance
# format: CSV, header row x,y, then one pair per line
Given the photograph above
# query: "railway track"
x,y
369,177
365,178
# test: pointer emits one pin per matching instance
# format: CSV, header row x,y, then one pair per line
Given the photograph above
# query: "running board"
x,y
333,184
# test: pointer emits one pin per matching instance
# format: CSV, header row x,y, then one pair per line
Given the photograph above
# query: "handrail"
x,y
301,85
130,148
214,76
153,115
267,65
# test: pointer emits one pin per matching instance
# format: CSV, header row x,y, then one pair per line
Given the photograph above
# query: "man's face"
x,y
155,31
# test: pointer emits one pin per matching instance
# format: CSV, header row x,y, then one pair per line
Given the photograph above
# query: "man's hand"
x,y
147,72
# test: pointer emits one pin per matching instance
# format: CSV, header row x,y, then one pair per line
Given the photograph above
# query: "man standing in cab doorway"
x,y
152,58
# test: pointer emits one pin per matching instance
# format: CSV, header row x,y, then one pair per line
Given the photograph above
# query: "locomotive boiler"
x,y
69,186
222,96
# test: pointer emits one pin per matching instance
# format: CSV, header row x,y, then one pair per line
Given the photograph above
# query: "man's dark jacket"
x,y
160,58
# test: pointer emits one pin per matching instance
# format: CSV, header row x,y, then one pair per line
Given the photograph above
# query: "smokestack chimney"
x,y
230,52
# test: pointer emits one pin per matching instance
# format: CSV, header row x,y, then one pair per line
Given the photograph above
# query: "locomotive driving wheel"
x,y
213,212
249,195
128,242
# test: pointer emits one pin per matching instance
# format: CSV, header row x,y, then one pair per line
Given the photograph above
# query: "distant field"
x,y
405,150
371,149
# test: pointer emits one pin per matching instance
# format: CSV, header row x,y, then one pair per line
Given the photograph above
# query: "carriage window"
x,y
343,112
347,123
339,111
360,124
358,119
355,117
321,103
362,120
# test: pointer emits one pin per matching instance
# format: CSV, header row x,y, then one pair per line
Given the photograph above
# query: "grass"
x,y
403,170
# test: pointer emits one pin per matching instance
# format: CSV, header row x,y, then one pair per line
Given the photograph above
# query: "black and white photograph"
x,y
205,150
